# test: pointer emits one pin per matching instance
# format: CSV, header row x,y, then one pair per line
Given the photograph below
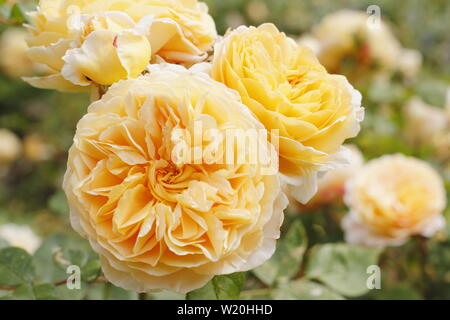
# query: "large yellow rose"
x,y
290,91
100,42
392,198
160,223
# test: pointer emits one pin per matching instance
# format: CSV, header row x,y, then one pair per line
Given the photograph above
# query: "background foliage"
x,y
312,261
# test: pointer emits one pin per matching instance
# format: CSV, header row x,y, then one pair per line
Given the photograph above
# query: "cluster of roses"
x,y
156,66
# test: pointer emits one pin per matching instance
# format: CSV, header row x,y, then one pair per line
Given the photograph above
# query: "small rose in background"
x,y
428,125
348,42
10,150
10,146
20,236
37,149
391,199
14,60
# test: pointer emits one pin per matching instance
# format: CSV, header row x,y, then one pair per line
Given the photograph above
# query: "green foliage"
x,y
3,243
226,287
17,14
398,292
286,261
60,251
305,290
342,267
166,295
16,267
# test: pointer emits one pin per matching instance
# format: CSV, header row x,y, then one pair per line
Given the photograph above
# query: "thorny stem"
x,y
58,283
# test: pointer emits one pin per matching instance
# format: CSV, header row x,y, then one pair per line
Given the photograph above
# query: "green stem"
x,y
142,296
422,243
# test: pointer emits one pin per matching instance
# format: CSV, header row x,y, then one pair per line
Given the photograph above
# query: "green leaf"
x,y
58,204
111,292
4,243
166,295
286,261
91,270
17,14
257,294
107,291
342,267
46,291
23,292
16,267
399,292
64,293
226,287
87,261
439,259
304,290
58,252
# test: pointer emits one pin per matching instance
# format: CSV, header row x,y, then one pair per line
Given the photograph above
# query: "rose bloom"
x,y
352,37
20,237
14,60
10,146
100,42
158,223
331,187
290,91
424,122
36,148
427,125
392,198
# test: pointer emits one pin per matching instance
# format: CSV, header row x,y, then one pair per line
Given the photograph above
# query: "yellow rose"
x,y
290,91
160,223
100,42
354,37
14,60
391,199
10,146
331,187
427,125
424,122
